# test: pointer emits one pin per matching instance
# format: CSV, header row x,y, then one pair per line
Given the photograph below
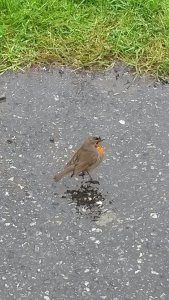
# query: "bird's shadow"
x,y
88,199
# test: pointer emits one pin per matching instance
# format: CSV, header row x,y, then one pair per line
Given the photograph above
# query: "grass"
x,y
85,33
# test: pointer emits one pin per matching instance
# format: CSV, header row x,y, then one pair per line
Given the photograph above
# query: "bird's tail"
x,y
63,173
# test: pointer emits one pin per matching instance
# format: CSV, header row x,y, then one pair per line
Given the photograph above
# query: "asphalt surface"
x,y
73,239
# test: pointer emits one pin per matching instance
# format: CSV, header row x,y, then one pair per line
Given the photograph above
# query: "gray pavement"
x,y
71,239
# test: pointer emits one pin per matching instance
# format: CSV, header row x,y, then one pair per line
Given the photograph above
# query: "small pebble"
x,y
51,140
2,98
122,122
9,141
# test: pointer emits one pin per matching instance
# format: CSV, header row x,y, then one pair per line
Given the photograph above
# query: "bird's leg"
x,y
73,174
91,179
82,174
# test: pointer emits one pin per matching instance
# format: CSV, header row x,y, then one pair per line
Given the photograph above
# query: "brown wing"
x,y
85,158
74,159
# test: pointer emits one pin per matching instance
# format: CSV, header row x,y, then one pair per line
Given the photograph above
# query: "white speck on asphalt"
x,y
154,272
21,186
154,215
46,297
11,179
122,122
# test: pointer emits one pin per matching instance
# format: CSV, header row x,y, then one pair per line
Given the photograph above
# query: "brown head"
x,y
93,140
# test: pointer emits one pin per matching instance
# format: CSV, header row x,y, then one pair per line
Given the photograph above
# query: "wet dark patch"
x,y
87,200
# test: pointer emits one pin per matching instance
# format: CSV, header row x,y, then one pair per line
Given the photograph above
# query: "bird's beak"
x,y
101,140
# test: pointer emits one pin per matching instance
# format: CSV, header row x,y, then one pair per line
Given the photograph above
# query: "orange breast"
x,y
100,149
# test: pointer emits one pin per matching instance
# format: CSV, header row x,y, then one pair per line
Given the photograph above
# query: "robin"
x,y
88,157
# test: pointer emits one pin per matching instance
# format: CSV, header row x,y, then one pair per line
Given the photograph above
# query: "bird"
x,y
85,159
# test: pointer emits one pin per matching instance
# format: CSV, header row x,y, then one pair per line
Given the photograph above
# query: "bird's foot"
x,y
82,174
93,181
